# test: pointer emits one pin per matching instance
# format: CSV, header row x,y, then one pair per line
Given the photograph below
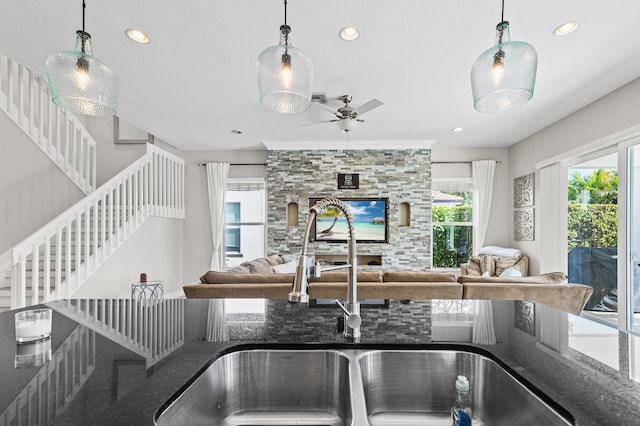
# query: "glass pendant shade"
x,y
285,77
503,77
80,82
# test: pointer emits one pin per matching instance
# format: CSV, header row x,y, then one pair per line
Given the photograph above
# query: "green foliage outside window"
x,y
592,225
445,256
599,187
451,214
593,210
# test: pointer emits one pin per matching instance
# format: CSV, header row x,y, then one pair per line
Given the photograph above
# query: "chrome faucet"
x,y
306,268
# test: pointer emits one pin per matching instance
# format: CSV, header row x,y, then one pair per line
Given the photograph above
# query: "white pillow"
x,y
285,268
511,273
499,251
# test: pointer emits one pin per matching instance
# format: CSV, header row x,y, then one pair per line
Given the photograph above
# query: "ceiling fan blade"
x,y
318,122
373,103
325,107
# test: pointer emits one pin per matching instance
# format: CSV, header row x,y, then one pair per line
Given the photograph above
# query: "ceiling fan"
x,y
348,117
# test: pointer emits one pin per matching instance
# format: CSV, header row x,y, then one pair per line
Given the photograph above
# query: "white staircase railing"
x,y
57,259
24,97
152,329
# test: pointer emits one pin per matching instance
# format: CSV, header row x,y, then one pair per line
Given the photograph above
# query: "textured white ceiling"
x,y
196,80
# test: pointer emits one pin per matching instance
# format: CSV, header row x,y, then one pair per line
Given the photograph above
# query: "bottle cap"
x,y
462,384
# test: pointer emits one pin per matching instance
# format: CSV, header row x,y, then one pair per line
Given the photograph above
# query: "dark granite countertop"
x,y
115,362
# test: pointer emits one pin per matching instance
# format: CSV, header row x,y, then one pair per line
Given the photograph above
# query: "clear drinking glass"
x,y
33,325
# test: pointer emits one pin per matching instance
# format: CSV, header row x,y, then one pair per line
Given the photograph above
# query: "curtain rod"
x,y
240,164
459,162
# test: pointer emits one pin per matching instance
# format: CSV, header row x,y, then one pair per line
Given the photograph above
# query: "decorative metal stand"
x,y
149,290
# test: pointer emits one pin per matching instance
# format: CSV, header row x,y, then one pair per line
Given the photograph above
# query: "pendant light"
x,y
503,77
80,82
285,75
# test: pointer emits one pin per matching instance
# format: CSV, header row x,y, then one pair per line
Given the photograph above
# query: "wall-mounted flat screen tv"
x,y
371,221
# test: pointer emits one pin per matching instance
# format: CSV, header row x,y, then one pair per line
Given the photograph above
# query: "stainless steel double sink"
x,y
342,386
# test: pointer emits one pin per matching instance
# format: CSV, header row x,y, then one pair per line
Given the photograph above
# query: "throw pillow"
x,y
473,267
509,272
259,266
488,265
240,269
503,263
274,259
285,268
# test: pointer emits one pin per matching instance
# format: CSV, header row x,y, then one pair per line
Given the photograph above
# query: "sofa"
x,y
330,285
550,289
261,279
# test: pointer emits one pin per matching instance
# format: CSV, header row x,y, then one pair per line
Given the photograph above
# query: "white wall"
x,y
197,231
33,189
155,248
112,158
611,114
498,234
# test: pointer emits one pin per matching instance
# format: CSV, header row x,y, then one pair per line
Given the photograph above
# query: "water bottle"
x,y
461,410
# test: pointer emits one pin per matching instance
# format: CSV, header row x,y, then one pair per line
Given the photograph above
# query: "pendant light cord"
x,y
285,11
502,16
83,37
286,34
84,6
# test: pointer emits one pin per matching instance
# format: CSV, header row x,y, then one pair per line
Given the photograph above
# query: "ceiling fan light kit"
x,y
285,75
504,76
347,117
80,82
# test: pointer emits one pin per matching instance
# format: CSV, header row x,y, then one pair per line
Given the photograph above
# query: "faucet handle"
x,y
353,319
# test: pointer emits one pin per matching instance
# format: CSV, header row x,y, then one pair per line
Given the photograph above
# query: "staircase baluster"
x,y
47,268
35,272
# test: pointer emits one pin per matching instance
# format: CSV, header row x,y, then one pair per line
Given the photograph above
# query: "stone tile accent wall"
x,y
299,320
400,175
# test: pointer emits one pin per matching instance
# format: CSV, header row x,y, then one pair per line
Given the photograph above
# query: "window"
x,y
451,221
244,220
592,222
231,232
232,211
245,217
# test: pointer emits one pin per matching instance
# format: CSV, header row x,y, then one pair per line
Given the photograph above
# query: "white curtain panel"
x,y
483,172
216,321
217,175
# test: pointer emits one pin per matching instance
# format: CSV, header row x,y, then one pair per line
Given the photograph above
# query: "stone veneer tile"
x,y
400,175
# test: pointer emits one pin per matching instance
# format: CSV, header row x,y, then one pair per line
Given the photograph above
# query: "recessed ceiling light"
x,y
566,28
457,129
349,33
137,36
236,132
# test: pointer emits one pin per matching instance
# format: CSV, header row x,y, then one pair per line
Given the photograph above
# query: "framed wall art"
x,y
523,191
525,316
523,224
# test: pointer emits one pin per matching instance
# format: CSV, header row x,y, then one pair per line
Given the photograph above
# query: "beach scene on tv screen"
x,y
369,221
